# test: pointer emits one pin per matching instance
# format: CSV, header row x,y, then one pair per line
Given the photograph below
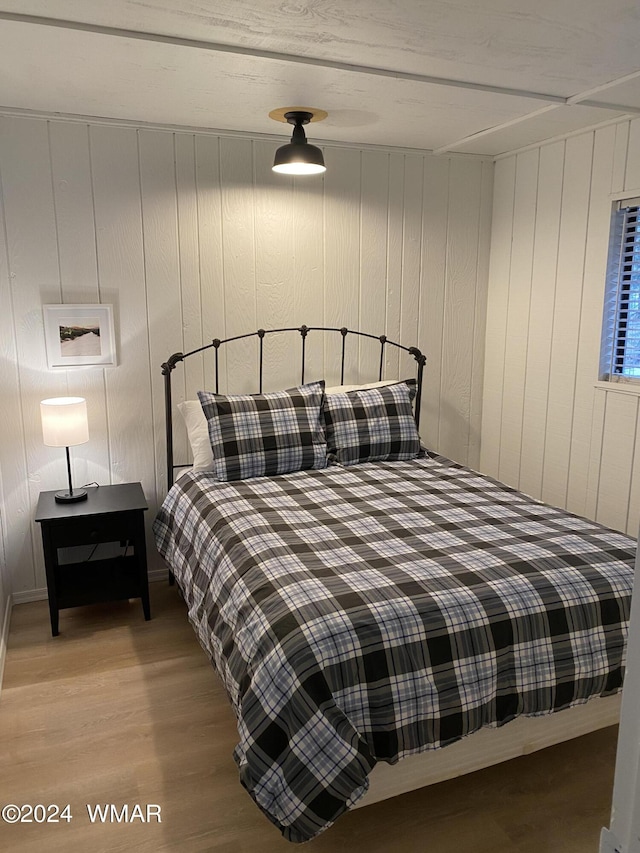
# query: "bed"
x,y
389,619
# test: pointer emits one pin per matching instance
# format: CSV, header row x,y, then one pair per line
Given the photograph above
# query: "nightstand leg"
x,y
54,613
141,550
146,607
50,565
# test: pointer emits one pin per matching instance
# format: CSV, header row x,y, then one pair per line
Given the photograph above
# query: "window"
x,y
620,351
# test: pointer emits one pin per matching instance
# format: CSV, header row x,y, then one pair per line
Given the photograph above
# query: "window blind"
x,y
620,352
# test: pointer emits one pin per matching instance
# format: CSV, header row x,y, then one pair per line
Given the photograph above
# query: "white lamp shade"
x,y
64,421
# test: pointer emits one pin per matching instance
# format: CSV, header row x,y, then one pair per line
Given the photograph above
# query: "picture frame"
x,y
79,335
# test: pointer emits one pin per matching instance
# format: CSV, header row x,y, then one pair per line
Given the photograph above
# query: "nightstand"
x,y
111,514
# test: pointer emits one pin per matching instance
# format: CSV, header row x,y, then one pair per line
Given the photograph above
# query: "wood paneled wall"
x,y
549,428
190,237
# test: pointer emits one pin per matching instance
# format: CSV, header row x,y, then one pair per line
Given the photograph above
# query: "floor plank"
x,y
123,711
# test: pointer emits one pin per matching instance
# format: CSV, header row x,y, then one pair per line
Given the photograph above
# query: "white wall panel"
x,y
208,191
191,237
394,259
76,234
465,185
633,508
539,330
342,257
307,304
576,444
432,292
17,559
566,316
189,267
618,440
516,332
412,247
497,311
480,317
189,259
620,157
275,285
590,320
632,164
32,251
121,270
373,268
239,259
595,451
158,192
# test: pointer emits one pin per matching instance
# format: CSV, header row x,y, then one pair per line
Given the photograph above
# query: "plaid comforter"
x,y
364,613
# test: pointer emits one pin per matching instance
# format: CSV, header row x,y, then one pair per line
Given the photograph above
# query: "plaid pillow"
x,y
253,435
372,425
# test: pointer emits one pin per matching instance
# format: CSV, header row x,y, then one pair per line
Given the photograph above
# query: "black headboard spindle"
x,y
383,340
303,331
169,365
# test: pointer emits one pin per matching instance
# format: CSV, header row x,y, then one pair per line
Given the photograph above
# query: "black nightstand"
x,y
110,514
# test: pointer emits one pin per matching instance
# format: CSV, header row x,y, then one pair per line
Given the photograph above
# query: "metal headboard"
x,y
169,365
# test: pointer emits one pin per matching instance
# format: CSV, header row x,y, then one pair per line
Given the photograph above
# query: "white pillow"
x,y
342,389
198,434
178,472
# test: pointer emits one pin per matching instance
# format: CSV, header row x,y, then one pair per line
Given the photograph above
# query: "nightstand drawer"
x,y
95,528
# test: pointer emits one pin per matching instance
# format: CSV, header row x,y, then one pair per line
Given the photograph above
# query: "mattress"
x,y
366,613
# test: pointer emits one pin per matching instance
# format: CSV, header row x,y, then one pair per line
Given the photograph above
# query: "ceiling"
x,y
442,75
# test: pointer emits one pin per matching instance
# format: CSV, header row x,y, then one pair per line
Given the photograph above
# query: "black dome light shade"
x,y
299,157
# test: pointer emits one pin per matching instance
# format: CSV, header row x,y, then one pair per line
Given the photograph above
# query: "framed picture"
x,y
79,335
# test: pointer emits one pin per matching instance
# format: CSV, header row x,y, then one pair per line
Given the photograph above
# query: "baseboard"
x,y
29,595
4,635
609,843
158,575
41,594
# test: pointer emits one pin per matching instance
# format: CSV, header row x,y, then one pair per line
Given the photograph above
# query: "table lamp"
x,y
64,424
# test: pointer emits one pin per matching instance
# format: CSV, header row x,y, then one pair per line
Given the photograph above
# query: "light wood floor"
x,y
116,710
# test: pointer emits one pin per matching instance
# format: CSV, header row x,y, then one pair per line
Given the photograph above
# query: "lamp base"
x,y
69,498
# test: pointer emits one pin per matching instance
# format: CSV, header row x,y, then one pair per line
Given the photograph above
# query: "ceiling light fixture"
x,y
298,157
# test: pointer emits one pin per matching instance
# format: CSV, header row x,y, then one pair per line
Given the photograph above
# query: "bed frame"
x,y
484,748
488,747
